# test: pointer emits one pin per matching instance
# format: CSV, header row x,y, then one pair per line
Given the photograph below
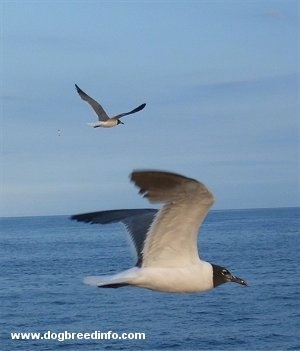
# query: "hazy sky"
x,y
221,83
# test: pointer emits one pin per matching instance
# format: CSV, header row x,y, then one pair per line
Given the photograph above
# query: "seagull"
x,y
165,240
104,120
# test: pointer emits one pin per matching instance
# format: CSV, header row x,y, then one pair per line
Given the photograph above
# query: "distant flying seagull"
x,y
104,120
165,240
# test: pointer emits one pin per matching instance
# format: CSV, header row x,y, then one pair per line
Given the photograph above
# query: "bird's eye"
x,y
225,271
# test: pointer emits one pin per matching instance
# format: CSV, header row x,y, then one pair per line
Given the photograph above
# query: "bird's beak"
x,y
121,122
238,280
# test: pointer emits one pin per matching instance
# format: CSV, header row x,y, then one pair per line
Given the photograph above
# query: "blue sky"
x,y
221,83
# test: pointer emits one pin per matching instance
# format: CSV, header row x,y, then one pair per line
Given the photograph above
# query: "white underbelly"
x,y
183,280
107,124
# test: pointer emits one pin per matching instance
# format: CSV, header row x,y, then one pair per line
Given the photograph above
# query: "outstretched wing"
x,y
137,109
172,237
136,221
102,115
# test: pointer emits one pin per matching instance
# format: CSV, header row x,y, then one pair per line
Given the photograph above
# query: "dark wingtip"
x,y
141,107
84,217
78,89
74,218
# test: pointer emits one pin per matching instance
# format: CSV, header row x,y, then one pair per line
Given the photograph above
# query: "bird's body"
x,y
103,119
165,240
189,279
112,122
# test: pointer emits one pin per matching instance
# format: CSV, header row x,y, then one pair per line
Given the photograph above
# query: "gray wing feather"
x,y
136,221
102,115
172,237
137,109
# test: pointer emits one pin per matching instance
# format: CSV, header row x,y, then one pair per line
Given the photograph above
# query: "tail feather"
x,y
114,285
107,281
113,281
94,124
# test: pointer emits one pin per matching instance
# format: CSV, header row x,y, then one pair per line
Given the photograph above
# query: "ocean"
x,y
44,259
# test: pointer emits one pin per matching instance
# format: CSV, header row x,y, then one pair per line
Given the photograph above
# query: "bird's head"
x,y
222,275
119,122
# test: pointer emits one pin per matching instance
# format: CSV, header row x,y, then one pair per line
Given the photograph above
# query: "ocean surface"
x,y
44,259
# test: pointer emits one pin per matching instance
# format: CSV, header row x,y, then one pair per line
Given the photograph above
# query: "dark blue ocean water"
x,y
43,261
